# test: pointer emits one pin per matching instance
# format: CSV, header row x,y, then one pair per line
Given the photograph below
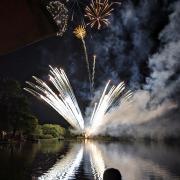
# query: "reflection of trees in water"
x,y
51,146
23,160
16,160
48,152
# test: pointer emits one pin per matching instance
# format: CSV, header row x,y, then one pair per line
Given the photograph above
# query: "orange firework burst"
x,y
80,32
98,13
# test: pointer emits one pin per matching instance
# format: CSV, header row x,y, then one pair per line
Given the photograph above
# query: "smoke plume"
x,y
159,93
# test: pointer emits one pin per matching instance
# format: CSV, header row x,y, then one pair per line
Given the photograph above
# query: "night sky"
x,y
140,31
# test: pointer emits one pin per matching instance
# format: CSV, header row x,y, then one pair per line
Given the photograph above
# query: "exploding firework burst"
x,y
80,32
98,13
62,99
59,12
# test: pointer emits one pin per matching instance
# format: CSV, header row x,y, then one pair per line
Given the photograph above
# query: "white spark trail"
x,y
93,71
61,98
87,63
109,99
65,102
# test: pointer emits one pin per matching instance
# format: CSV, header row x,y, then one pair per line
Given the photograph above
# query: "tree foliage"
x,y
53,129
14,109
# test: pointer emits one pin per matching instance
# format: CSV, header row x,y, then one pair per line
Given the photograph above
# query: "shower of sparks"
x,y
93,70
109,99
64,102
80,33
60,15
98,13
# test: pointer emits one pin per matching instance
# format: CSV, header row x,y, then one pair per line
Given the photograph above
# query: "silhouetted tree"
x,y
14,109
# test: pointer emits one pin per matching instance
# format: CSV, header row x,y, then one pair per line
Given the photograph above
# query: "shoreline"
x,y
146,140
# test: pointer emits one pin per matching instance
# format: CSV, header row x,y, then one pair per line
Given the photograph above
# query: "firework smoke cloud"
x,y
157,95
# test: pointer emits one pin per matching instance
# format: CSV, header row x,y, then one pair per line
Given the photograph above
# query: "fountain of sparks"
x,y
65,103
111,97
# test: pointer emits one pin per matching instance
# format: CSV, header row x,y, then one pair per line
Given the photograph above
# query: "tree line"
x,y
16,117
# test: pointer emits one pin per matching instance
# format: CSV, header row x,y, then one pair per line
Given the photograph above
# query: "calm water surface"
x,y
88,160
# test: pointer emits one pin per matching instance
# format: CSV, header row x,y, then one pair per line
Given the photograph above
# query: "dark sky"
x,y
123,50
34,60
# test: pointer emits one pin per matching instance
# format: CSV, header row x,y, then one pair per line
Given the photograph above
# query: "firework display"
x,y
80,33
98,13
59,12
61,97
64,101
111,97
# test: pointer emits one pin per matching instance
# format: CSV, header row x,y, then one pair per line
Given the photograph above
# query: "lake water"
x,y
88,160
